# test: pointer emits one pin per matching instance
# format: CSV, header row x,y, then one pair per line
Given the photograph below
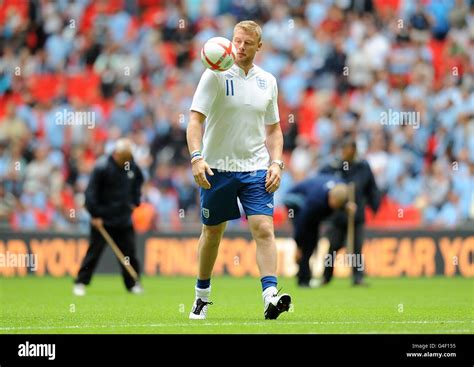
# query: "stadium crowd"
x,y
395,74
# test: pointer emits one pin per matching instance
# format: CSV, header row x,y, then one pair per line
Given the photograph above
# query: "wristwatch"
x,y
280,163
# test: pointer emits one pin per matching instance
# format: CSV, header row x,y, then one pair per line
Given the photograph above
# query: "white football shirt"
x,y
237,108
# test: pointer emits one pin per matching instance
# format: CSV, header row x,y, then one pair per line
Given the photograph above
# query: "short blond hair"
x,y
250,26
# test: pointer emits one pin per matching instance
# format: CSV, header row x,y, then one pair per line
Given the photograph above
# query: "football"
x,y
218,54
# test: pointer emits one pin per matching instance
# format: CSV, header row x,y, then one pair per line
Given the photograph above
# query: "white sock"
x,y
203,293
269,292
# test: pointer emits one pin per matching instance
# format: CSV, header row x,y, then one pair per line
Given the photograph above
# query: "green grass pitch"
x,y
406,305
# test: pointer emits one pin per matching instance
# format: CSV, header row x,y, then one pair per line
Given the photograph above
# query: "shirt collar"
x,y
240,72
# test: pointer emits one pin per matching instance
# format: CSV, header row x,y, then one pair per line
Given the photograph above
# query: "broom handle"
x,y
117,252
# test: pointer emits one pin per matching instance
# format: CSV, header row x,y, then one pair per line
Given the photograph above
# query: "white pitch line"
x,y
259,323
454,331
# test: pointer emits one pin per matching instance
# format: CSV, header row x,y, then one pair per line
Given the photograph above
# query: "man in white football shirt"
x,y
241,158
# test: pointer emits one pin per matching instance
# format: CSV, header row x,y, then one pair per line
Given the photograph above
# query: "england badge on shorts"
x,y
205,212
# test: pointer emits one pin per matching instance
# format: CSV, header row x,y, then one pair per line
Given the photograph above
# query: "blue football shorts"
x,y
219,203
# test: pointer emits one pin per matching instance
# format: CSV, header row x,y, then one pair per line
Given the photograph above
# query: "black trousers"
x,y
306,237
336,235
125,239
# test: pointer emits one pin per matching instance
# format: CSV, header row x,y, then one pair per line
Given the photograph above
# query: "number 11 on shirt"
x,y
229,87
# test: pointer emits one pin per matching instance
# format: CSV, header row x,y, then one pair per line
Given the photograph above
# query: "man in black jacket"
x,y
112,194
350,169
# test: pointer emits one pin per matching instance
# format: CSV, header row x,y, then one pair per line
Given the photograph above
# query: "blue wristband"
x,y
196,154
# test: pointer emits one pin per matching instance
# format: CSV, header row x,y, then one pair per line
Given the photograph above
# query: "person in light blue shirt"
x,y
450,213
57,49
439,10
405,190
274,62
118,24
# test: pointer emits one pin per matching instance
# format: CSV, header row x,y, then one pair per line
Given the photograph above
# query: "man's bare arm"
x,y
194,139
274,143
194,131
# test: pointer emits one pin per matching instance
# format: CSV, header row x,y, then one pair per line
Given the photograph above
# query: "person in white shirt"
x,y
241,159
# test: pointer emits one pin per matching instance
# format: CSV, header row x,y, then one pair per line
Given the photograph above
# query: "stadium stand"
x,y
134,65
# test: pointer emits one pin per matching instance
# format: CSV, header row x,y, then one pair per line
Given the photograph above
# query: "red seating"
x,y
391,214
385,7
85,87
438,54
45,87
18,6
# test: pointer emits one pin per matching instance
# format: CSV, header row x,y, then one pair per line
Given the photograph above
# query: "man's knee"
x,y
213,233
263,230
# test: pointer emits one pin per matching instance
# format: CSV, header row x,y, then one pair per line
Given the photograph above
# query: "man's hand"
x,y
97,222
351,208
199,169
272,182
